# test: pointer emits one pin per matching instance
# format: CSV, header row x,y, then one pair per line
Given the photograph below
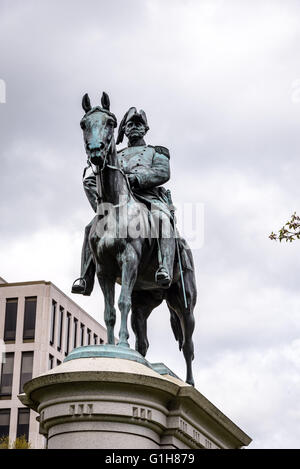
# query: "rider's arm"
x,y
158,173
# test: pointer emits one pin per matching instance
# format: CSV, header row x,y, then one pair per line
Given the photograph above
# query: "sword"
x,y
172,210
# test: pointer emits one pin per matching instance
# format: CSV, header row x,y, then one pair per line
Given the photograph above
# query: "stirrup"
x,y
81,289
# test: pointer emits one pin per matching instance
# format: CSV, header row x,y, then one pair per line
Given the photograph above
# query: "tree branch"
x,y
290,231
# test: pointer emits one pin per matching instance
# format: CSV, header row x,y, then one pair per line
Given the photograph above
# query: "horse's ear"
x,y
86,103
105,102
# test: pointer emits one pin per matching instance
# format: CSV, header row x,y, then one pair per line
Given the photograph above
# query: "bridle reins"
x,y
99,176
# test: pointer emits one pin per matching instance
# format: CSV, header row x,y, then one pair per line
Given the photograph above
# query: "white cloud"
x,y
260,389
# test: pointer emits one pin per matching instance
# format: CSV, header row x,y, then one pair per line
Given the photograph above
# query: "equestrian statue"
x,y
132,239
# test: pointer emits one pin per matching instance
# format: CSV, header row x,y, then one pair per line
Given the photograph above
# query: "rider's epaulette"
x,y
162,151
122,149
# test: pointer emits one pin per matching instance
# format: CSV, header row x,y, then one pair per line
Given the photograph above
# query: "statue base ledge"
x,y
117,351
110,397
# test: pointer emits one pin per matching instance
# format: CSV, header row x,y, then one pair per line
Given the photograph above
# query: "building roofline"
x,y
17,284
2,280
44,282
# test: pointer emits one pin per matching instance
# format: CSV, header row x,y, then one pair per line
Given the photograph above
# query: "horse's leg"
x,y
108,288
175,302
143,303
129,265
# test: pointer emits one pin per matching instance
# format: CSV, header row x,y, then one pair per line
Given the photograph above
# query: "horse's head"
x,y
98,125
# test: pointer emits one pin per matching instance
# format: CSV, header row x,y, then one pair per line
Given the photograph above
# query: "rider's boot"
x,y
84,285
163,276
80,287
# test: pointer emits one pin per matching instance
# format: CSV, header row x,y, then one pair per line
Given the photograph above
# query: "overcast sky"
x,y
220,83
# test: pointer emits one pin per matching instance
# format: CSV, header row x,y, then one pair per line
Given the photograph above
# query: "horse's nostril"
x,y
95,147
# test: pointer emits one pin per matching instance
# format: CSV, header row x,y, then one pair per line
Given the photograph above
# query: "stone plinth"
x,y
110,397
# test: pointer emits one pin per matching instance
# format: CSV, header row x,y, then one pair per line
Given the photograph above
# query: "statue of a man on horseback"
x,y
147,168
151,265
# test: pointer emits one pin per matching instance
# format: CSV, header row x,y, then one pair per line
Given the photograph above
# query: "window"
x,y
29,318
81,334
101,341
68,333
58,362
51,362
75,332
23,423
52,325
10,319
4,422
26,368
7,371
88,337
95,339
60,327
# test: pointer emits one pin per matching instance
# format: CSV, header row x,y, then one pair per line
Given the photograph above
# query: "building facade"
x,y
39,326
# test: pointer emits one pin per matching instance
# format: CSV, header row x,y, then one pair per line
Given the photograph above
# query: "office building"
x,y
39,326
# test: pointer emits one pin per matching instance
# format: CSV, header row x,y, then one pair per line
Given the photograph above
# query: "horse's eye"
x,y
82,125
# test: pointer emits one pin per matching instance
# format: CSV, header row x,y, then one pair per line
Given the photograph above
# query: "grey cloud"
x,y
216,81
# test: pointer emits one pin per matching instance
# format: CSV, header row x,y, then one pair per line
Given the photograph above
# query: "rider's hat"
x,y
131,114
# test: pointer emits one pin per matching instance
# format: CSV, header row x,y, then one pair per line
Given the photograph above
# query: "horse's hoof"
x,y
191,382
123,344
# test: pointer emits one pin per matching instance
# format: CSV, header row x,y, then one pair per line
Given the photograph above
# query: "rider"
x,y
147,168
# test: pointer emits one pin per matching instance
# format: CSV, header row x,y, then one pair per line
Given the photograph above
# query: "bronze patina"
x,y
132,240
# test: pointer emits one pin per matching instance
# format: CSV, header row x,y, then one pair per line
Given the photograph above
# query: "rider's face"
x,y
134,130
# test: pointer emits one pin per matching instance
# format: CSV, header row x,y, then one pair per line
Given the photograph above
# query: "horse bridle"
x,y
99,176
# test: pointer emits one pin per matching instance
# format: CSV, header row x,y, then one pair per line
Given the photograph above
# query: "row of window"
x,y
22,426
7,372
10,325
85,335
51,362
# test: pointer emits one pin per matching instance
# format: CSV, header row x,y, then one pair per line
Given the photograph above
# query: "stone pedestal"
x,y
110,397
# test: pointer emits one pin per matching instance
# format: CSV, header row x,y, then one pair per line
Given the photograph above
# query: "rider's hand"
x,y
133,180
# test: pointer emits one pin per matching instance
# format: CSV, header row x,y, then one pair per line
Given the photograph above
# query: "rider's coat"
x,y
151,167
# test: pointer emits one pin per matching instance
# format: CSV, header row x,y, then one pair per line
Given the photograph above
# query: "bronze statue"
x,y
132,240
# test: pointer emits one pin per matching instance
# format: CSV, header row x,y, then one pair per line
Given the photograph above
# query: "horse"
x,y
130,260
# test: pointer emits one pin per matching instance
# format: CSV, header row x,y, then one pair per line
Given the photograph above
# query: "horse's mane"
x,y
101,109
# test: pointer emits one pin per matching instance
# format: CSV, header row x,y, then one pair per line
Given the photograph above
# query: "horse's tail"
x,y
176,327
